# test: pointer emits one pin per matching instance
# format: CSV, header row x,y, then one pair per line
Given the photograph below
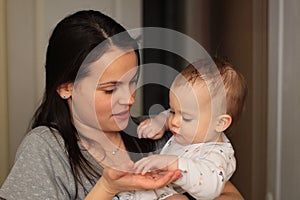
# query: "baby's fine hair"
x,y
234,83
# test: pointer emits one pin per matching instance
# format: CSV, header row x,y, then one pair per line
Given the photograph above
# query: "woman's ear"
x,y
223,122
65,90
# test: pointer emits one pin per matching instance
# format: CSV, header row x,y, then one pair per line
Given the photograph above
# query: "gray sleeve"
x,y
41,171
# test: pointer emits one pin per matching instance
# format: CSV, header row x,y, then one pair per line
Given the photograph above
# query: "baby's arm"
x,y
154,128
156,163
206,177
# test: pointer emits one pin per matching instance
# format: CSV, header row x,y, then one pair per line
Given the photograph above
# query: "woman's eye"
x,y
109,91
172,112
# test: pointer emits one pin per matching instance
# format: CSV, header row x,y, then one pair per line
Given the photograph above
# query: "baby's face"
x,y
190,112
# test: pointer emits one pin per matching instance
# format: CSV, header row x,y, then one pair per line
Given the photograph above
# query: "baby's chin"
x,y
181,140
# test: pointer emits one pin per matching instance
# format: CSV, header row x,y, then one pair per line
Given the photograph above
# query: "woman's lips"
x,y
122,115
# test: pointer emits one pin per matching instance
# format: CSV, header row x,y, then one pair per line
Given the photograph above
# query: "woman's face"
x,y
115,93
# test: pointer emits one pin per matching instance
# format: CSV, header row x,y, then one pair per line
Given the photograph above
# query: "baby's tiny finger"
x,y
138,167
140,130
147,131
151,134
146,170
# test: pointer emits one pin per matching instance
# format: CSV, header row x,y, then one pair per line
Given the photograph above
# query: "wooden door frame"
x,y
260,98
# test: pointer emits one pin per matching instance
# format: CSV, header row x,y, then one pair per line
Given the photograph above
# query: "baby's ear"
x,y
223,122
65,90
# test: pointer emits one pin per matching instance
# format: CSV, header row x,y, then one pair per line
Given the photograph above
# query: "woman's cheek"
x,y
103,103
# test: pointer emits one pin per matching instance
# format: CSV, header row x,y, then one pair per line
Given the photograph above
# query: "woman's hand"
x,y
177,197
114,181
230,193
117,181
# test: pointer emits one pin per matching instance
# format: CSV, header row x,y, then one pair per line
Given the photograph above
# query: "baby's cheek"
x,y
190,131
169,122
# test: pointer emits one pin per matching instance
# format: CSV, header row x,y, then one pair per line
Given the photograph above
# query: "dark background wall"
x,y
166,14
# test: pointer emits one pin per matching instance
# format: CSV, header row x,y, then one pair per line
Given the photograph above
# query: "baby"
x,y
206,100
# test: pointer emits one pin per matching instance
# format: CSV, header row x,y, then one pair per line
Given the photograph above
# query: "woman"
x,y
63,156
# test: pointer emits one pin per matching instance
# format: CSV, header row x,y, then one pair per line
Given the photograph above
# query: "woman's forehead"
x,y
122,67
114,65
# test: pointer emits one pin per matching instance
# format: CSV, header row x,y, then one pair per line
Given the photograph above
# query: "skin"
x,y
229,193
114,181
190,113
190,120
115,94
111,86
113,99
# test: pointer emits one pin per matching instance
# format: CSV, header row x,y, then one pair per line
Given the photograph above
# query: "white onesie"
x,y
206,167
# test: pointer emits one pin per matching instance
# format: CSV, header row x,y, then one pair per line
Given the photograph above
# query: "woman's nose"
x,y
127,97
131,99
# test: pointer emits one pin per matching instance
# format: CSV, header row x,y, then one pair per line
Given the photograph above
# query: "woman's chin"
x,y
122,124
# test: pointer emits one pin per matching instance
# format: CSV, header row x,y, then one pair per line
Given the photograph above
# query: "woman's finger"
x,y
166,179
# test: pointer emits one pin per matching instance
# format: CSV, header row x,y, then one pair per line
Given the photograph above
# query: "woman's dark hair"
x,y
71,41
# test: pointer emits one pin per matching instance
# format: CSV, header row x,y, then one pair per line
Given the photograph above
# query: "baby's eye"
x,y
187,118
172,112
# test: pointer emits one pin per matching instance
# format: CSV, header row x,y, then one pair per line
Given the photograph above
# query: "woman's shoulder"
x,y
42,138
41,165
44,133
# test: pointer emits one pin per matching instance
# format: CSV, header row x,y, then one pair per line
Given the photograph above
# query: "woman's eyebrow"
x,y
109,83
115,82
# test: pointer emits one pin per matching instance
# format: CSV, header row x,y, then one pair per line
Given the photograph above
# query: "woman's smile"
x,y
119,78
122,115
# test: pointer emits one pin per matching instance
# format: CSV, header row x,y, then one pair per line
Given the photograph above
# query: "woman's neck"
x,y
114,137
101,144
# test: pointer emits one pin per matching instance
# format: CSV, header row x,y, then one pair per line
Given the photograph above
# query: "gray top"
x,y
42,169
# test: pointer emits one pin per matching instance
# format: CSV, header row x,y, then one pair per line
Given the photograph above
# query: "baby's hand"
x,y
156,163
153,128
